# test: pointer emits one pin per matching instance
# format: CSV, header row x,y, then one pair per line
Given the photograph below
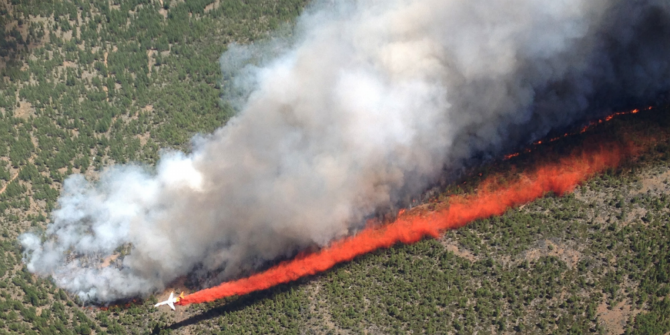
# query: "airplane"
x,y
171,300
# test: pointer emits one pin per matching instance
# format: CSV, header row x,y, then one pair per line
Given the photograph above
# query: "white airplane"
x,y
170,301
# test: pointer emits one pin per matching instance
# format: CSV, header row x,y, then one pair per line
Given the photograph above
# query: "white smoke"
x,y
370,100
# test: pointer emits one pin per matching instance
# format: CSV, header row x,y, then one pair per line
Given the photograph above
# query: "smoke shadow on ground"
x,y
233,306
212,313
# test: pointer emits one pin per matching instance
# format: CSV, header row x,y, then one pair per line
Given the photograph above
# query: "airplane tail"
x,y
170,300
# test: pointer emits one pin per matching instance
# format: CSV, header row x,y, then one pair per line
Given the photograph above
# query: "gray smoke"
x,y
366,101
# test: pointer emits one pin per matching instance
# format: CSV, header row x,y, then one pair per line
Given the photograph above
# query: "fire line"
x,y
581,131
491,199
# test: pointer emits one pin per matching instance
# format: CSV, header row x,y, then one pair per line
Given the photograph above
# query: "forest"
x,y
87,84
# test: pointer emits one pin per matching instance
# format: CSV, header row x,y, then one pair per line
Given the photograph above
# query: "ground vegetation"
x,y
87,84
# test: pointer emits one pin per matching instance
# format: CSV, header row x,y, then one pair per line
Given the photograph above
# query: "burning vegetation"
x,y
584,129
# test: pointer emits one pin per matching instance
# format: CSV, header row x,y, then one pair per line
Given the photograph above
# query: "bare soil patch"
x,y
212,6
655,183
25,110
107,261
561,251
615,320
453,246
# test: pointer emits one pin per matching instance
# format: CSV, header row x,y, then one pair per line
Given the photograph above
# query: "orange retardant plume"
x,y
491,199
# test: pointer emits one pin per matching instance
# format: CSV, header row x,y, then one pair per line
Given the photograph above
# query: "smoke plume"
x,y
367,102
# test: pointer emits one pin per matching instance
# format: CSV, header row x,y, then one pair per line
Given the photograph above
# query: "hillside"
x,y
89,84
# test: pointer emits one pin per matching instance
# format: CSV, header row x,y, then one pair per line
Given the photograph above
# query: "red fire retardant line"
x,y
490,200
